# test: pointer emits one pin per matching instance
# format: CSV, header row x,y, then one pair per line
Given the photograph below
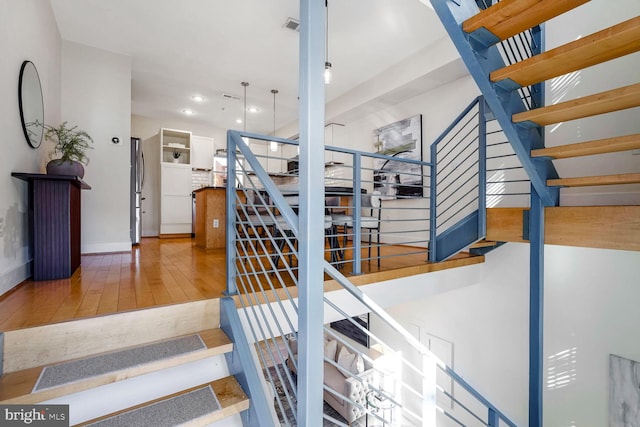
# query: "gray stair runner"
x,y
77,370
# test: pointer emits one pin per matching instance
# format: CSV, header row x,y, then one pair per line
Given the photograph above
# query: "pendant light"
x,y
274,145
244,109
327,64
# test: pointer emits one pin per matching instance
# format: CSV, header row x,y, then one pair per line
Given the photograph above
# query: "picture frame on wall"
x,y
401,140
347,328
624,392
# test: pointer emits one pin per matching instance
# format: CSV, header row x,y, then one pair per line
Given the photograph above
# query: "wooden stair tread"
x,y
614,42
232,400
17,387
605,227
589,148
510,17
599,103
587,181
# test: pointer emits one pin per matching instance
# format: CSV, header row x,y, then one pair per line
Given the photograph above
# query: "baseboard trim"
x,y
12,277
99,248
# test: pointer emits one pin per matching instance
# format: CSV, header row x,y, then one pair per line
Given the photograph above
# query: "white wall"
x,y
96,96
438,108
28,31
587,19
591,311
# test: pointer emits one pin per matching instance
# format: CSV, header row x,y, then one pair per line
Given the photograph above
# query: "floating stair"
x,y
476,34
508,18
611,43
592,105
587,181
198,406
590,148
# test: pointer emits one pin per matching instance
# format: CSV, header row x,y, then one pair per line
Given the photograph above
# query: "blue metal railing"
x,y
458,183
262,277
482,57
397,226
518,48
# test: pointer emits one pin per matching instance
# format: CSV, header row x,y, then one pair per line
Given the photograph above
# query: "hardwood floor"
x,y
157,272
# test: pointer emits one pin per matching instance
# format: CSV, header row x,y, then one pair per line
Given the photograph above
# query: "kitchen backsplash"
x,y
200,179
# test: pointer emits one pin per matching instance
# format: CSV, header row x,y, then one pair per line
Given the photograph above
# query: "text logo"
x,y
34,415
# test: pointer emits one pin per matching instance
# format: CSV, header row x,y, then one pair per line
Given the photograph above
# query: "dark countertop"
x,y
76,180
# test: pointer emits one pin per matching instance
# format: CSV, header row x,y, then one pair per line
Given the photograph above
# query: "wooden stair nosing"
x,y
17,387
588,181
589,148
613,42
230,395
599,103
510,17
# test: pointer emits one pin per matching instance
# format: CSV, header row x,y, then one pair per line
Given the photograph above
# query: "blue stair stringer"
x,y
458,236
241,364
503,101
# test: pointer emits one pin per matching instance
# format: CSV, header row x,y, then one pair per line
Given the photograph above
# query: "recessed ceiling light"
x,y
238,121
188,112
197,98
253,109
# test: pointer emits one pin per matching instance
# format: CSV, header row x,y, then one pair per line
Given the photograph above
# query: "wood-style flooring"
x,y
156,272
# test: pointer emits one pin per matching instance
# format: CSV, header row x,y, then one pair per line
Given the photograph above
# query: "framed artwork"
x,y
402,140
345,327
624,392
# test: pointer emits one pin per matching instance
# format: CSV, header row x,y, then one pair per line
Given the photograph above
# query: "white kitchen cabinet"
x,y
175,182
202,151
175,146
175,204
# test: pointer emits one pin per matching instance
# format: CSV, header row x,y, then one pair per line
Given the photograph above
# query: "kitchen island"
x,y
210,230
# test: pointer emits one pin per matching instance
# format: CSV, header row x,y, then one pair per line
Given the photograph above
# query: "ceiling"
x,y
208,47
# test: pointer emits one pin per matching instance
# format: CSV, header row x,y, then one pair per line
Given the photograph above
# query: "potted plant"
x,y
176,156
71,145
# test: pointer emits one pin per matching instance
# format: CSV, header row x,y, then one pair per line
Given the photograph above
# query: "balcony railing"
x,y
377,206
374,370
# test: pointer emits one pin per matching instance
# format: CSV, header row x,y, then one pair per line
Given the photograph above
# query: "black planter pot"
x,y
59,167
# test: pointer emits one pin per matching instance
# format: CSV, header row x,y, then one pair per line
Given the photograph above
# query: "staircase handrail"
x,y
411,340
472,225
269,326
523,139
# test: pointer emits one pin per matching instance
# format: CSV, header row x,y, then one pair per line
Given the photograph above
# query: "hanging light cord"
x,y
244,120
326,32
274,91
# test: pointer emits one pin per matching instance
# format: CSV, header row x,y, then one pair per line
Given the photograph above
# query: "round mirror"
x,y
31,105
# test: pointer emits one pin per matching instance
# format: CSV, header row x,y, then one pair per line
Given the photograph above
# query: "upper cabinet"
x,y
175,146
202,151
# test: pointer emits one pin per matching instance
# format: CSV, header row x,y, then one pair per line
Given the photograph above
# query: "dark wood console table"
x,y
54,223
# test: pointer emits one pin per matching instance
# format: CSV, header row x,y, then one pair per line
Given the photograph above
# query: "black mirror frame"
x,y
34,144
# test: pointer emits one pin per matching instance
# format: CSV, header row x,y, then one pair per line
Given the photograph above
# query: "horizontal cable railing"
x,y
508,184
390,193
475,168
458,181
366,377
516,49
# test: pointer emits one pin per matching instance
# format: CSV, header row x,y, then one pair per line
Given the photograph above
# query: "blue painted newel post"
x,y
536,308
311,216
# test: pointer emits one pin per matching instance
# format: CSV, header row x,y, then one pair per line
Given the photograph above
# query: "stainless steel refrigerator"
x,y
137,183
